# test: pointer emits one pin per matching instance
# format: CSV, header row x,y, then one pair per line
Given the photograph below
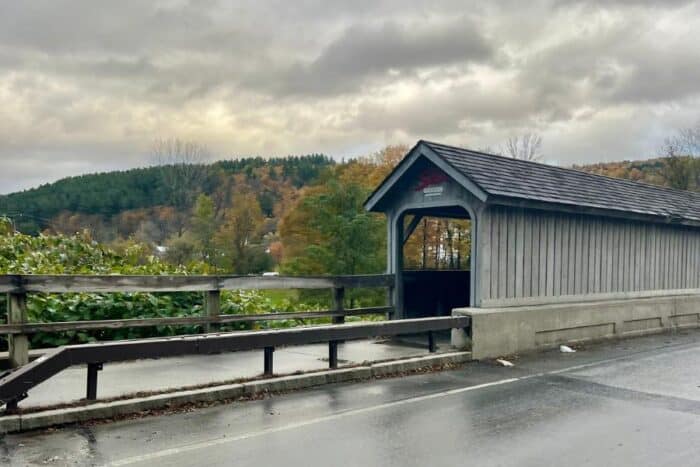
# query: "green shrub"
x,y
79,254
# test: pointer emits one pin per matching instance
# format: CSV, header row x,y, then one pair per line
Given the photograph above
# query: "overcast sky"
x,y
88,85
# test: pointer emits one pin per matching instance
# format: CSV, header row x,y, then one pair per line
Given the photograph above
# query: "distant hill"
x,y
104,196
119,204
646,171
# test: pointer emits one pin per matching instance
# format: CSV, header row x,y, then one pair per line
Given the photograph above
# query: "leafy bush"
x,y
79,254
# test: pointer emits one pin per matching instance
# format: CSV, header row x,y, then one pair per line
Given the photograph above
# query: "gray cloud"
x,y
87,86
387,50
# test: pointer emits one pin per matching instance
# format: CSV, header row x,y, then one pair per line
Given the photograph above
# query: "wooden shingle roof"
x,y
514,178
503,179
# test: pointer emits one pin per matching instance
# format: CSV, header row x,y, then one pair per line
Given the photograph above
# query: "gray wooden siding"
x,y
542,254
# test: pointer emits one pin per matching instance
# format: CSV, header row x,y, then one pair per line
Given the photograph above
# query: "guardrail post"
x,y
338,305
432,348
269,352
18,344
212,308
92,369
333,354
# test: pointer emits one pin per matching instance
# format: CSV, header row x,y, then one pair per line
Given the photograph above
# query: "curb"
x,y
105,410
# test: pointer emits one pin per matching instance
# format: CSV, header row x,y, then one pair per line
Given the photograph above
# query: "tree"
x,y
182,170
238,237
527,147
681,168
204,226
340,236
181,249
677,172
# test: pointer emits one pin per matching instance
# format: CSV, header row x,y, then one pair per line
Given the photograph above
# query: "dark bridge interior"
x,y
435,293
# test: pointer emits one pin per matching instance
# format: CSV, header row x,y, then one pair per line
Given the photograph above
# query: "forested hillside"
x,y
108,203
647,171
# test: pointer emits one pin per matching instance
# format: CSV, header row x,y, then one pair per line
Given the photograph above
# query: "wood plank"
x,y
117,283
610,256
653,256
10,283
536,242
549,269
481,278
495,253
694,260
512,230
566,256
638,257
573,263
18,345
184,320
583,252
212,308
560,256
120,283
594,271
519,253
502,255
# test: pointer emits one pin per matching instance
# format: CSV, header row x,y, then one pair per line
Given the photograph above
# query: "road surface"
x,y
627,403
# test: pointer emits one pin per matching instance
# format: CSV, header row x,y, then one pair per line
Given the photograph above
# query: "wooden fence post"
x,y
212,308
390,302
18,344
338,305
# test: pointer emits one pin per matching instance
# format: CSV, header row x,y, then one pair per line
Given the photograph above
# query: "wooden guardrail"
x,y
15,385
19,286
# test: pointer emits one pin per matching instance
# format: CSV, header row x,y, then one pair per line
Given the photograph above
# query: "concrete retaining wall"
x,y
505,331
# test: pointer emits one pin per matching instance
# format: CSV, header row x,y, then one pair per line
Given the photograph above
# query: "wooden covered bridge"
x,y
547,236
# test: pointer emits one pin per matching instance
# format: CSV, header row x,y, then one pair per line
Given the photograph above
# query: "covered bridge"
x,y
541,235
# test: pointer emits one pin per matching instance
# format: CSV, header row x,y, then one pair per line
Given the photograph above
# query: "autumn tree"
x,y
338,235
439,243
238,239
204,226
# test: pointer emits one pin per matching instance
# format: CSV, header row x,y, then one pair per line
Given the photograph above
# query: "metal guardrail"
x,y
19,286
15,384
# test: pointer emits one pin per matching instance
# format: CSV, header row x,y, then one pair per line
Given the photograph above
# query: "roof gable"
x,y
419,150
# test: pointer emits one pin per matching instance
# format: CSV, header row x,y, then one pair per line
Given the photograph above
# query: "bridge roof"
x,y
503,180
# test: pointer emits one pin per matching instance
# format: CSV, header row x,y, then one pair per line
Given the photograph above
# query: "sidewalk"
x,y
118,379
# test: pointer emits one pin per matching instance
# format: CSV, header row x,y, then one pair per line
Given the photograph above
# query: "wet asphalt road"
x,y
629,403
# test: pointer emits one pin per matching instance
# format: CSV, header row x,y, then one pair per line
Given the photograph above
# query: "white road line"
x,y
353,412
